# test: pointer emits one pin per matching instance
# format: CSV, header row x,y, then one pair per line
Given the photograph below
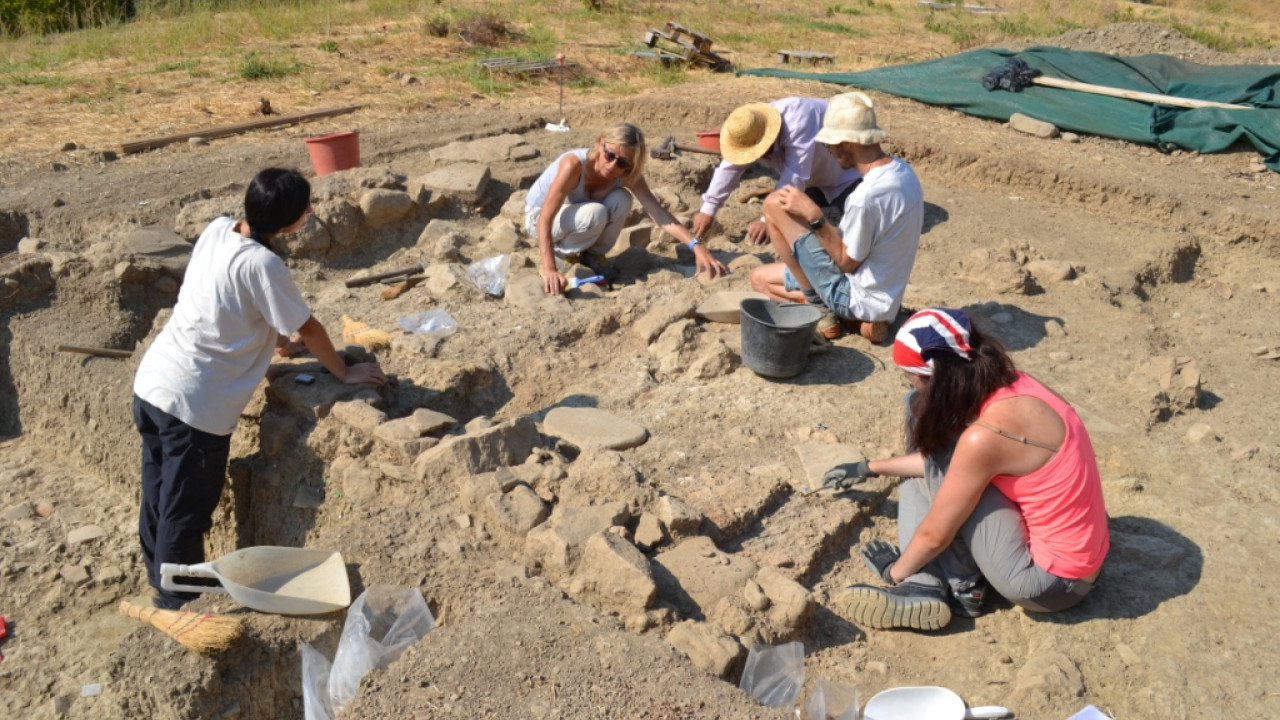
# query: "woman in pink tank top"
x,y
1002,488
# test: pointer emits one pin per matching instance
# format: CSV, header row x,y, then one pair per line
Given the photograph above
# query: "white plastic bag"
x,y
315,684
832,701
381,624
437,323
774,675
490,274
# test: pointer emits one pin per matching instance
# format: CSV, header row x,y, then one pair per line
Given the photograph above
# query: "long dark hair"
x,y
952,397
275,199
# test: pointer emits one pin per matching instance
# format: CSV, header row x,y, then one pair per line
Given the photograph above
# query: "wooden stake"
x,y
223,131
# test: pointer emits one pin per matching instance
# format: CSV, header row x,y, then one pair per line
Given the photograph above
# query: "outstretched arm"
x,y
663,218
316,338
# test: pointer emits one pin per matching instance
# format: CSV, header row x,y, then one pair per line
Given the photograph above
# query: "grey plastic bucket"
x,y
776,336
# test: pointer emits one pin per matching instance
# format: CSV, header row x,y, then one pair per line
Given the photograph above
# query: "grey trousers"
x,y
992,543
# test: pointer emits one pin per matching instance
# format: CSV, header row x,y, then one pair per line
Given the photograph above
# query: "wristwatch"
x,y
815,224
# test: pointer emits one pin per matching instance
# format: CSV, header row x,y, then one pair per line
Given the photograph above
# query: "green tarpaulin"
x,y
956,82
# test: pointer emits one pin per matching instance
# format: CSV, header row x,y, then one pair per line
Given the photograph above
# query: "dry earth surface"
x,y
1142,286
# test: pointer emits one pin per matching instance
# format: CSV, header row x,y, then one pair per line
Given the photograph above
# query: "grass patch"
x,y
185,65
329,46
44,81
256,67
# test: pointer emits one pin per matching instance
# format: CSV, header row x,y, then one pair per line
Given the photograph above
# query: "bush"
x,y
20,17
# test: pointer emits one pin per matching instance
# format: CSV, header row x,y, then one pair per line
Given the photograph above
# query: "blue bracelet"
x,y
692,242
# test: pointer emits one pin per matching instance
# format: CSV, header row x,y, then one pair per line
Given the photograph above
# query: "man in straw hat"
x,y
779,134
858,271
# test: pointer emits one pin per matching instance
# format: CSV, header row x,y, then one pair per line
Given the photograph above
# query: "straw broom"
x,y
206,633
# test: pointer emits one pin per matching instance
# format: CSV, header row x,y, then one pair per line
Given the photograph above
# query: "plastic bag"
x,y
381,624
774,675
437,323
315,684
490,274
832,701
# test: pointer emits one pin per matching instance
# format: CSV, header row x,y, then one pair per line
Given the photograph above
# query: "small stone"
x,y
877,666
29,245
1060,356
85,534
463,521
74,574
1002,318
44,509
21,511
1245,453
1200,432
197,141
58,202
1070,137
104,156
67,146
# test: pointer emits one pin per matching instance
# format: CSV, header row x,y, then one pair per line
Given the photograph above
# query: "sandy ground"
x,y
1169,256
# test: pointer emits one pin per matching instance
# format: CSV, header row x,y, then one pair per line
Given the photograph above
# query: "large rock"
x,y
507,443
517,511
161,244
695,575
342,218
677,516
614,576
500,148
383,207
708,647
465,182
349,183
592,427
195,216
1171,386
557,545
652,323
359,415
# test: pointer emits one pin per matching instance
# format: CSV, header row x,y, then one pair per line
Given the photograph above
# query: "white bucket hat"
x,y
850,117
749,132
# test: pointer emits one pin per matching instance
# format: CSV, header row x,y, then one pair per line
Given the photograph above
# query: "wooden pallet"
x,y
691,46
805,56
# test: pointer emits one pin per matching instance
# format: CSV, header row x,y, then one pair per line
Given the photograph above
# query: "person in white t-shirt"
x,y
858,272
238,306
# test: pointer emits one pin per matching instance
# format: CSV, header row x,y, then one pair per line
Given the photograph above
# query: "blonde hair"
x,y
628,136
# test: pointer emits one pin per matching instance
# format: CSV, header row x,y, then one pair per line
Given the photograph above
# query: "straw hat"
x,y
850,117
748,132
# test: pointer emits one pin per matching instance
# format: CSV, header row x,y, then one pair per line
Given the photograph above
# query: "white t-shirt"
x,y
881,227
236,298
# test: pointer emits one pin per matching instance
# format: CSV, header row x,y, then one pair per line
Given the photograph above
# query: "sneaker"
x,y
600,265
876,332
968,603
906,605
829,326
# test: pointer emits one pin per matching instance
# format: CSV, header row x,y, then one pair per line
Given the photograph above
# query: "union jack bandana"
x,y
928,332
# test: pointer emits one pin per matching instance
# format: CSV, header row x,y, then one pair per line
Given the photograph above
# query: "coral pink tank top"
x,y
1062,501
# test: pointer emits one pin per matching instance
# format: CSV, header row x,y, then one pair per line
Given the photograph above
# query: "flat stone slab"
x,y
725,306
819,457
465,181
590,427
796,538
731,503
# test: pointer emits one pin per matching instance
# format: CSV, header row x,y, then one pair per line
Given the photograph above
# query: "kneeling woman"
x,y
1003,489
579,204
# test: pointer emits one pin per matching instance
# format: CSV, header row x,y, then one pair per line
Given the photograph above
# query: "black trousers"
x,y
183,471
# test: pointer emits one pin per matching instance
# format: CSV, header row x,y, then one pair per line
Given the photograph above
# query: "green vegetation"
x,y
256,67
329,46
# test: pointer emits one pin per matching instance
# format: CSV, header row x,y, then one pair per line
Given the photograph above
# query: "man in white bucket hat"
x,y
778,134
858,271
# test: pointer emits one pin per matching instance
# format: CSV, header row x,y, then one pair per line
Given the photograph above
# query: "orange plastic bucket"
x,y
334,152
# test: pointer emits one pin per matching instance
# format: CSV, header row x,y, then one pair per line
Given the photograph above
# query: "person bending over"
x,y
237,307
577,208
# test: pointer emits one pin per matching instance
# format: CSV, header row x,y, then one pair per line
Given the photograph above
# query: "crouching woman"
x,y
1003,487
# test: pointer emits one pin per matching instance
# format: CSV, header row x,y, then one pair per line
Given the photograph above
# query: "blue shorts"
x,y
830,281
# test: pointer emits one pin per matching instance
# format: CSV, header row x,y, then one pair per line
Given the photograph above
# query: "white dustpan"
x,y
280,580
925,703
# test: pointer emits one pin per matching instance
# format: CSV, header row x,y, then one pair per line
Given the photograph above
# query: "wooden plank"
x,y
1135,94
223,131
101,352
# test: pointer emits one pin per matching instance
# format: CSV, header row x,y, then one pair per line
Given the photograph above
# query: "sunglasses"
x,y
614,158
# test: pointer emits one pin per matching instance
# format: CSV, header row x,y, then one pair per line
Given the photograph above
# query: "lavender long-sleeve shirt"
x,y
797,158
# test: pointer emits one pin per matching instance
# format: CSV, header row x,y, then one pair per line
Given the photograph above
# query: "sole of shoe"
x,y
872,607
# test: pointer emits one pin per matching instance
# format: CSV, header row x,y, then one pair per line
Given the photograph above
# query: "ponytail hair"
x,y
276,198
